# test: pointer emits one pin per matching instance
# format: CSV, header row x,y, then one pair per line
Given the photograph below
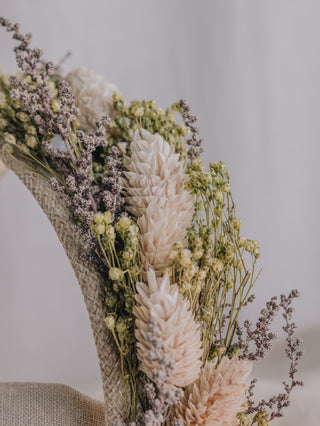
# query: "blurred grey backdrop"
x,y
250,70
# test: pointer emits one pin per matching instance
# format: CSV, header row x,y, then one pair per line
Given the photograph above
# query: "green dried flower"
x,y
116,274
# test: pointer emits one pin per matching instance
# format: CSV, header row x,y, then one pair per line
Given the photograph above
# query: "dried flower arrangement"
x,y
165,234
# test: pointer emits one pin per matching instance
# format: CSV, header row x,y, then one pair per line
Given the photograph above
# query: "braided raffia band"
x,y
2,168
89,279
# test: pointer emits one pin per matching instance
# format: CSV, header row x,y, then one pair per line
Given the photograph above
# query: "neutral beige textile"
x,y
2,168
47,404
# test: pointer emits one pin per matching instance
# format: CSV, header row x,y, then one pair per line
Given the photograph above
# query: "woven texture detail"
x,y
47,404
90,281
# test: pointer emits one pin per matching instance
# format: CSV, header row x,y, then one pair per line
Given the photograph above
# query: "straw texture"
x,y
90,281
2,168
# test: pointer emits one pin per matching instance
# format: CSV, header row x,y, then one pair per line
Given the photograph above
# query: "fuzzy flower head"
x,y
155,193
93,95
178,330
217,396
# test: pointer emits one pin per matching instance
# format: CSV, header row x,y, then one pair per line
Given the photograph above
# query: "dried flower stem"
x,y
262,340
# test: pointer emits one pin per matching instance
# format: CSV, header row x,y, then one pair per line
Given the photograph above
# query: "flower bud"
x,y
30,129
217,211
109,233
121,327
9,138
55,105
22,116
229,285
237,224
108,217
197,254
110,322
115,274
98,218
3,123
202,273
218,196
217,267
229,255
242,241
185,258
31,142
226,188
98,228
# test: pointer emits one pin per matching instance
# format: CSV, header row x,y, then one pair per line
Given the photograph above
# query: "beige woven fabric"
x,y
2,168
47,404
90,281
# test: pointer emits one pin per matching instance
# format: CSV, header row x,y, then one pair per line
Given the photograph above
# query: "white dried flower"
x,y
93,95
177,329
156,195
217,396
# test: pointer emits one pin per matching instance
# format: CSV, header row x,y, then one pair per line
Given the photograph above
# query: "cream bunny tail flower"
x,y
93,96
217,396
177,329
155,194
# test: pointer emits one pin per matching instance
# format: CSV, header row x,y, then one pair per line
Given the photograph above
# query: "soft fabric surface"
x,y
43,404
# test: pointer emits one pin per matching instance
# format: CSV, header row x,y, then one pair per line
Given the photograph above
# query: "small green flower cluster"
x,y
16,129
146,115
260,419
119,243
211,272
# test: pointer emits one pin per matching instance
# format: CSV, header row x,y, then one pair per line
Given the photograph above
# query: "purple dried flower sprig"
x,y
190,120
262,338
159,397
71,171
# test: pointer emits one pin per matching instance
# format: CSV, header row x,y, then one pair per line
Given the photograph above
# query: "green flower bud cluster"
x,y
218,253
261,419
15,125
216,351
149,116
234,350
244,419
120,244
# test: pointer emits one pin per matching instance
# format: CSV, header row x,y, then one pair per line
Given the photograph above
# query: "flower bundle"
x,y
165,233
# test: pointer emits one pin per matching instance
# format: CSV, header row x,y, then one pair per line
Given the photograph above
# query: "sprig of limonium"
x,y
190,120
261,338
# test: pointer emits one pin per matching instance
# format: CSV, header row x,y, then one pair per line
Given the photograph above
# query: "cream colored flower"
x,y
156,195
217,396
93,95
178,329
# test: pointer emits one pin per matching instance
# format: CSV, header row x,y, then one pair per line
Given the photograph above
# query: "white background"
x,y
251,73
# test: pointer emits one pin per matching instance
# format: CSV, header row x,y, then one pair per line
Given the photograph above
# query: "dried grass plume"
x,y
217,396
93,95
156,195
177,329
